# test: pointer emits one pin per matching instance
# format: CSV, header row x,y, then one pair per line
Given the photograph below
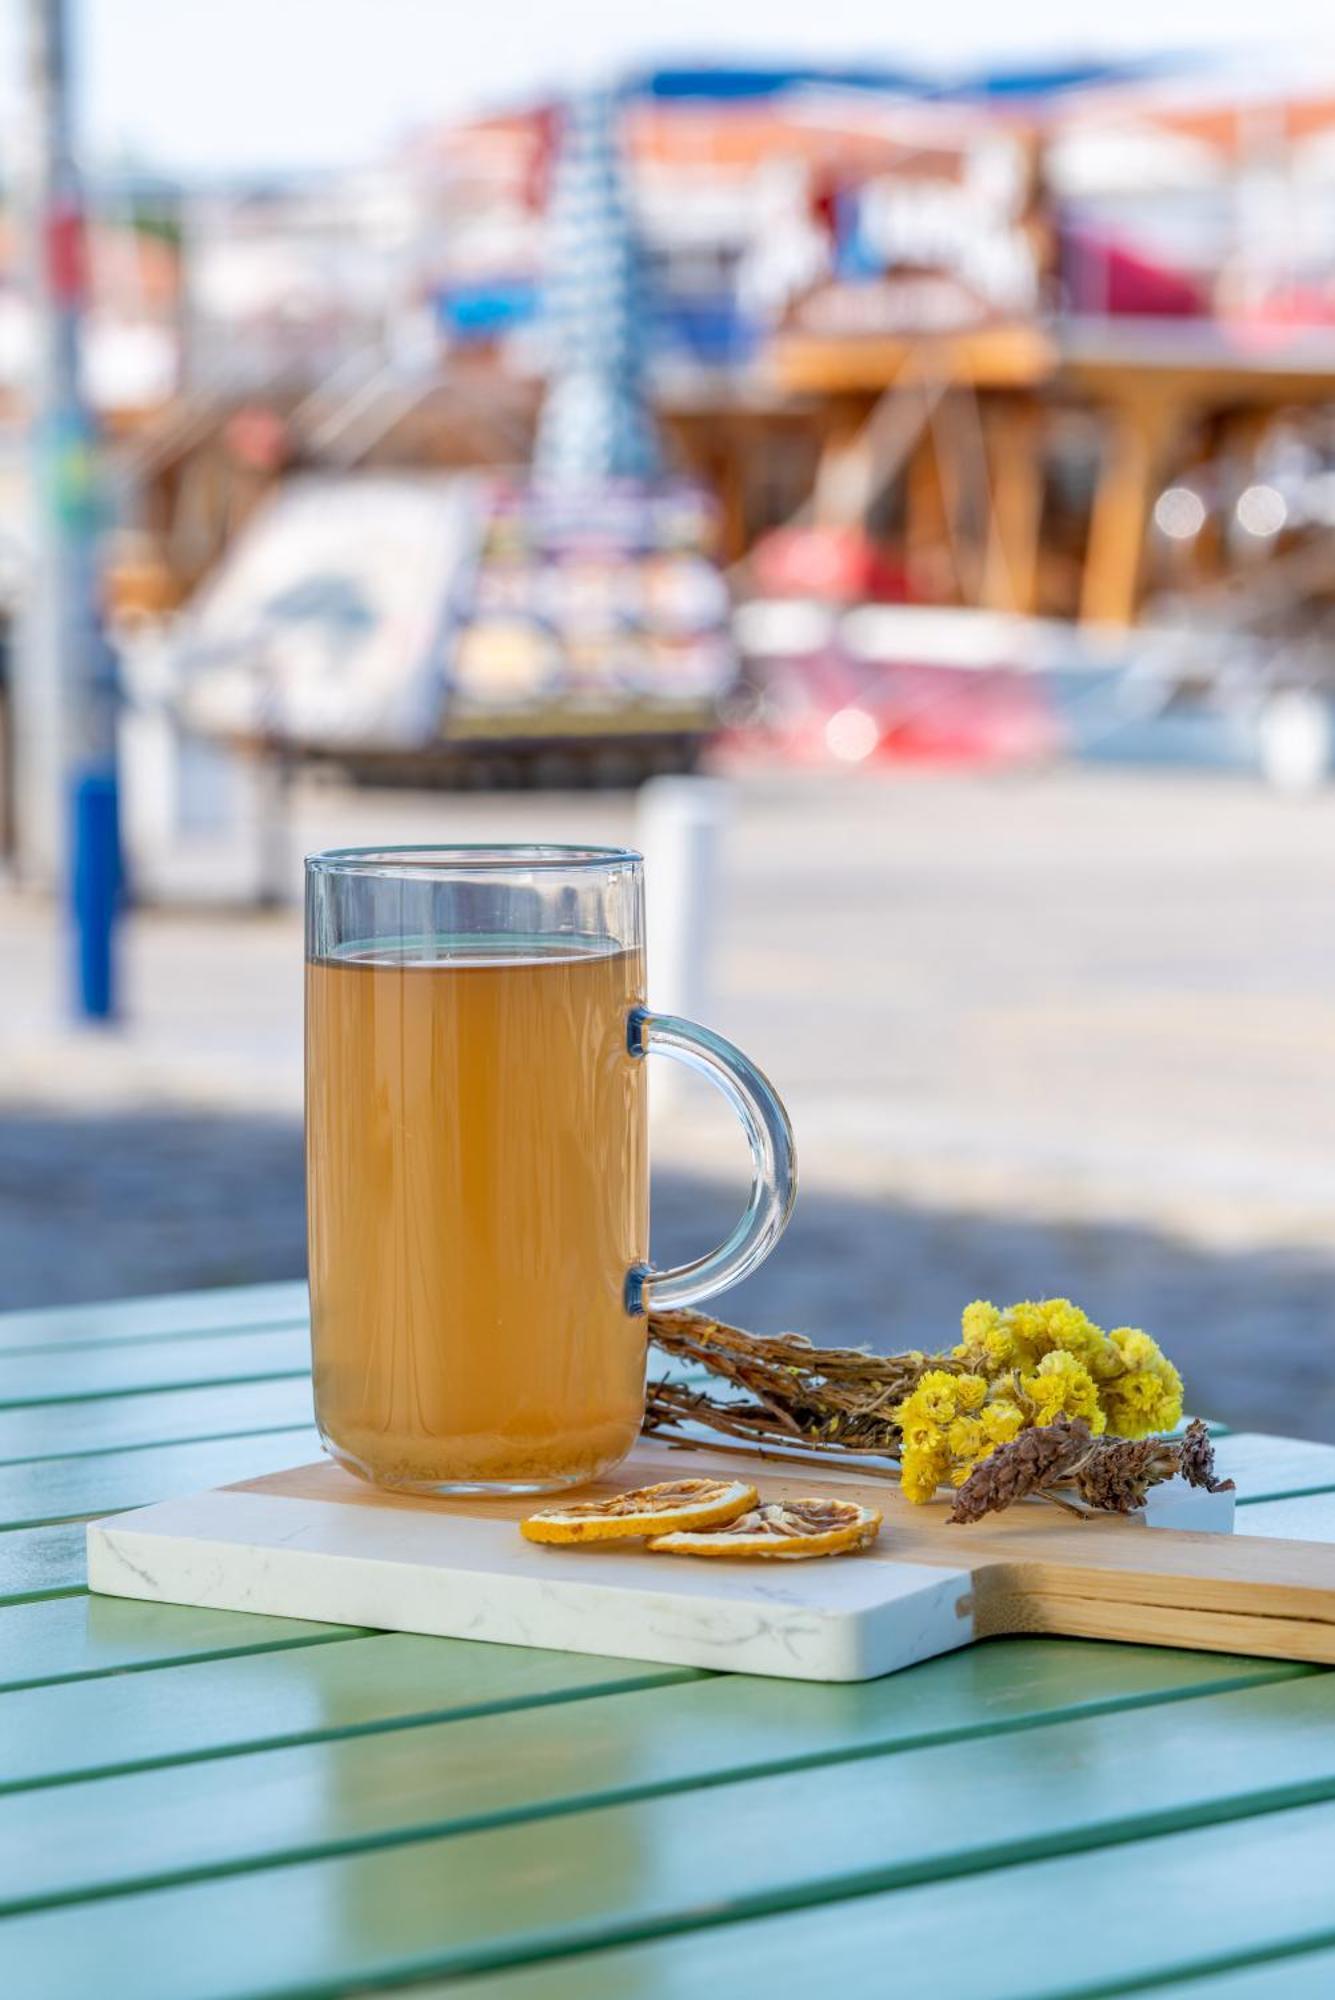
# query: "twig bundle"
x,y
838,1399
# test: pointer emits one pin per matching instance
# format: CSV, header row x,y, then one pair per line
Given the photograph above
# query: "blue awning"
x,y
742,82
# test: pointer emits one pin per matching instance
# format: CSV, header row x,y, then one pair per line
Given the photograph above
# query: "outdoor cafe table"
x,y
202,1805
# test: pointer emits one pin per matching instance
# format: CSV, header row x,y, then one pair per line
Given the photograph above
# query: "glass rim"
x,y
467,857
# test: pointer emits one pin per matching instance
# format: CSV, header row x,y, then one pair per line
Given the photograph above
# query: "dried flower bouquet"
x,y
1033,1400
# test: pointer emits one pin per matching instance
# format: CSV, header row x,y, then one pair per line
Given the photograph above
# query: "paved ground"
x,y
1063,1033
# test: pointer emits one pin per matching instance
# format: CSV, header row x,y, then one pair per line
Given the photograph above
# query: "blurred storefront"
x,y
806,236
1056,347
1085,283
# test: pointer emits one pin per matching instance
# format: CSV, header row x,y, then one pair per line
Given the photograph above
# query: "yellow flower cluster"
x,y
1026,1366
948,1423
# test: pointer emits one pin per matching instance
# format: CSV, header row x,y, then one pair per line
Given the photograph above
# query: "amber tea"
x,y
479,1192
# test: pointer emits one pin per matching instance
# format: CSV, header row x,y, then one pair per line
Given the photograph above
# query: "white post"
x,y
1297,740
679,822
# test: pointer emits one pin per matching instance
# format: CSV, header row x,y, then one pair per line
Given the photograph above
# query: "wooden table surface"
x,y
202,1805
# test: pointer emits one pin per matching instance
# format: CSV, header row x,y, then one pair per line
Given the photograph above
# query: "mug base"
x,y
500,1488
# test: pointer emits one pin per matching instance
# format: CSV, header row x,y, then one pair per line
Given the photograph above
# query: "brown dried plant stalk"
x,y
1062,1460
834,1399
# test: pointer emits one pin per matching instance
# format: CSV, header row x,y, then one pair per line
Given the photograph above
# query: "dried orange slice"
x,y
780,1530
686,1504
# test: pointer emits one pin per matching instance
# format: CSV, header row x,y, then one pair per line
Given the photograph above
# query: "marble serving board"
x,y
316,1543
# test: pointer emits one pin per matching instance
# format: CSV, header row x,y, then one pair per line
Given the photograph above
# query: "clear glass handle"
x,y
773,1162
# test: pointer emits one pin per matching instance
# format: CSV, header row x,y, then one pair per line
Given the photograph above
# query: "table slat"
x,y
36,1561
265,1698
64,1489
57,1374
112,1832
169,1315
66,1638
87,1727
782,1958
1108,1922
623,1873
1310,1518
1270,1467
1302,1976
171,1416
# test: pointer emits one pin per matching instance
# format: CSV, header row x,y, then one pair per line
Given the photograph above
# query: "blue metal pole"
x,y
96,887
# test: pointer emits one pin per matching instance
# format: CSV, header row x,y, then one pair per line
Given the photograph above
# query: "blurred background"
x,y
894,482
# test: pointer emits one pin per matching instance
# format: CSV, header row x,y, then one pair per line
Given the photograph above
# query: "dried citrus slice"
x,y
649,1510
780,1530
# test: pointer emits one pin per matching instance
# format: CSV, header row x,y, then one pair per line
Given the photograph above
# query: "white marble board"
x,y
315,1543
473,1577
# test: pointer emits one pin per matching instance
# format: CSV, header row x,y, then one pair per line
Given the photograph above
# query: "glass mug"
x,y
477,1166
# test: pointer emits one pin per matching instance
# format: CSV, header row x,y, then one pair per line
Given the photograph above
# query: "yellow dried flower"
x,y
998,1342
1061,1386
941,1430
966,1438
1054,1397
1148,1396
921,1471
935,1402
1001,1421
934,1398
978,1320
1073,1332
988,1342
970,1392
1135,1348
1027,1320
919,1431
971,1439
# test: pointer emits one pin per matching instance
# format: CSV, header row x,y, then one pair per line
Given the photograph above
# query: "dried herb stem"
x,y
833,1397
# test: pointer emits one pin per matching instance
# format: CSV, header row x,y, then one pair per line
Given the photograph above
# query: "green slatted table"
x,y
201,1805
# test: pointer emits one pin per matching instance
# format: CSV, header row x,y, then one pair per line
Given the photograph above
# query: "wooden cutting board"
x,y
316,1543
